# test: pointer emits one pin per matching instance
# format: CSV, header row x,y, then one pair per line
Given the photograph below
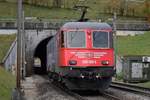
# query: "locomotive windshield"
x,y
76,39
100,39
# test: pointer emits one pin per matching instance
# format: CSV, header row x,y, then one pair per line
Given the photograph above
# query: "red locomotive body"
x,y
82,55
84,58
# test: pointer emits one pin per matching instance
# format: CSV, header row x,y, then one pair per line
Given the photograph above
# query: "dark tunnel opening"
x,y
39,66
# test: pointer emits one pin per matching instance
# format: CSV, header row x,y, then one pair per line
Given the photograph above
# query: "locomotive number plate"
x,y
88,62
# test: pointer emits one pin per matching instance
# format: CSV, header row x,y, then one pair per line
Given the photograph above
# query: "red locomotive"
x,y
81,55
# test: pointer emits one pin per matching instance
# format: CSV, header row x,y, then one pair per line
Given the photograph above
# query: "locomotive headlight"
x,y
72,62
105,62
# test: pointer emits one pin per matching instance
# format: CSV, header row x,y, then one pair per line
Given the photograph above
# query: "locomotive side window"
x,y
100,39
76,39
62,39
111,39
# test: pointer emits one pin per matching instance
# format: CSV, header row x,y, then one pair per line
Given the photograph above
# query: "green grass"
x,y
5,42
34,11
119,76
134,45
145,84
7,80
9,9
7,83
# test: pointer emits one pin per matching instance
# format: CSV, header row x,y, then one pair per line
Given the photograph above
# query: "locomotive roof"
x,y
86,25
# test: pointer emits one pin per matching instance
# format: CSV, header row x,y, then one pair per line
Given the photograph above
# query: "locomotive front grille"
x,y
90,73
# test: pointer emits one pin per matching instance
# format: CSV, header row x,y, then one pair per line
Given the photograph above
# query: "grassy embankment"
x,y
7,80
5,42
97,9
8,10
7,83
146,84
134,45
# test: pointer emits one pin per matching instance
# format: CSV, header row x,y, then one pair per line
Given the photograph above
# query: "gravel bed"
x,y
40,88
124,95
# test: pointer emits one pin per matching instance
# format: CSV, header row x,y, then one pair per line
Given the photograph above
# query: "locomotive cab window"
x,y
100,39
76,39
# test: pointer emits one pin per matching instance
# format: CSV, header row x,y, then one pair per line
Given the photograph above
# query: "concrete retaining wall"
x,y
9,60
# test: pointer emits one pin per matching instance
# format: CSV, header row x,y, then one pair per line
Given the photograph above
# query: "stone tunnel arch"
x,y
39,63
34,41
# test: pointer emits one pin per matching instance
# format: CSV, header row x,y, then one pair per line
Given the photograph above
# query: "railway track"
x,y
115,92
72,95
131,88
107,95
43,89
79,96
110,96
66,90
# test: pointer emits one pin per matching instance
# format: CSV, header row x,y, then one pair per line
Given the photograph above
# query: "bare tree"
x,y
147,9
122,7
37,2
2,0
26,2
113,6
132,8
57,3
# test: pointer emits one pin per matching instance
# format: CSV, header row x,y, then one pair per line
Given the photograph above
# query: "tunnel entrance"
x,y
40,61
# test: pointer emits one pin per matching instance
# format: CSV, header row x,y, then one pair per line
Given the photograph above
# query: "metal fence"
x,y
136,26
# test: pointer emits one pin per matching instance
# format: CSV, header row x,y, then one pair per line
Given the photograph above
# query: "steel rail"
x,y
110,96
131,85
66,90
78,96
132,88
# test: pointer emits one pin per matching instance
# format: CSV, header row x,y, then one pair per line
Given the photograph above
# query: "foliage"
x,y
134,45
147,9
119,76
5,42
145,84
7,83
2,0
113,6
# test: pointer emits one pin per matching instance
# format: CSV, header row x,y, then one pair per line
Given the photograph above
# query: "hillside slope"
x,y
134,45
96,10
7,83
8,10
5,43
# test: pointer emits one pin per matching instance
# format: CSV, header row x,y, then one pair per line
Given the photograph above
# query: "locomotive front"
x,y
87,51
86,55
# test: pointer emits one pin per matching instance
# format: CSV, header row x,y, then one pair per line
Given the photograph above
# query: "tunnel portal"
x,y
40,61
